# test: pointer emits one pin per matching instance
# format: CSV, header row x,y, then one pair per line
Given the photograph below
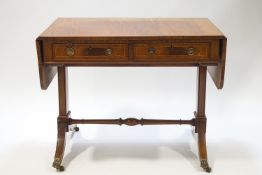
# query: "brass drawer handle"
x,y
151,50
109,51
70,51
191,51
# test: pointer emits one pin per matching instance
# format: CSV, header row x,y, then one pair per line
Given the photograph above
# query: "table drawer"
x,y
171,51
90,52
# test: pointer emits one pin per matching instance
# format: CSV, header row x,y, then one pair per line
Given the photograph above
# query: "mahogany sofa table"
x,y
193,42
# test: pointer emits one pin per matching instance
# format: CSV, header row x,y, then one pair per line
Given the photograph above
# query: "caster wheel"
x,y
60,168
57,165
205,166
208,169
76,129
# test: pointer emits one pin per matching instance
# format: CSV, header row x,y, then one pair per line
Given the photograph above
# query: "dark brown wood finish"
x,y
46,72
201,117
73,31
131,42
218,72
132,121
63,118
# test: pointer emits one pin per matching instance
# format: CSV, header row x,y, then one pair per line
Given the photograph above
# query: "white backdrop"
x,y
28,115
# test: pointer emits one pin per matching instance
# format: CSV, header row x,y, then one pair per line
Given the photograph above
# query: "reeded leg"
x,y
201,119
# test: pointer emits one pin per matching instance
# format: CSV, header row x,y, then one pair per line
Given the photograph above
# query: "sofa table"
x,y
193,42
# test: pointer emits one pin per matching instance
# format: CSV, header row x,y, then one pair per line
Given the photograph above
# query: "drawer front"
x,y
90,52
172,52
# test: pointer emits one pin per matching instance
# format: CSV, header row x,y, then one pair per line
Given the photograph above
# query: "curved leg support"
x,y
63,118
60,145
200,118
203,152
200,130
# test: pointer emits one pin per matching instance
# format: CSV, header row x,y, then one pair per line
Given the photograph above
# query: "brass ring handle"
x,y
151,50
70,51
190,51
109,51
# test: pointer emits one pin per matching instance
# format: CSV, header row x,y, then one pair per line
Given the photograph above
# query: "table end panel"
x,y
46,72
217,73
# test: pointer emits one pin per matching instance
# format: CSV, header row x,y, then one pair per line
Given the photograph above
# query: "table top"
x,y
132,27
131,38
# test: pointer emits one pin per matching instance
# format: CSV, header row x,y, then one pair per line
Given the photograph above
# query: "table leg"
x,y
63,118
201,118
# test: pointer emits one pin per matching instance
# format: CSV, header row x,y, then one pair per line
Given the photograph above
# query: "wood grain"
x,y
131,32
131,27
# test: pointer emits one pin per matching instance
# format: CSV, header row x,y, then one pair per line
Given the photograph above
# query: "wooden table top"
x,y
132,27
134,37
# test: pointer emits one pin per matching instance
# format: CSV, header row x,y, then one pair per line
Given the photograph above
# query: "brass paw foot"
x,y
57,165
205,166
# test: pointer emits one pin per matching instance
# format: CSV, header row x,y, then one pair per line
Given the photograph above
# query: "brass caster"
x,y
57,165
205,166
60,168
76,129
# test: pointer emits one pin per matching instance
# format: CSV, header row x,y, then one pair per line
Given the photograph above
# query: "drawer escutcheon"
x,y
191,51
70,51
151,50
109,51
